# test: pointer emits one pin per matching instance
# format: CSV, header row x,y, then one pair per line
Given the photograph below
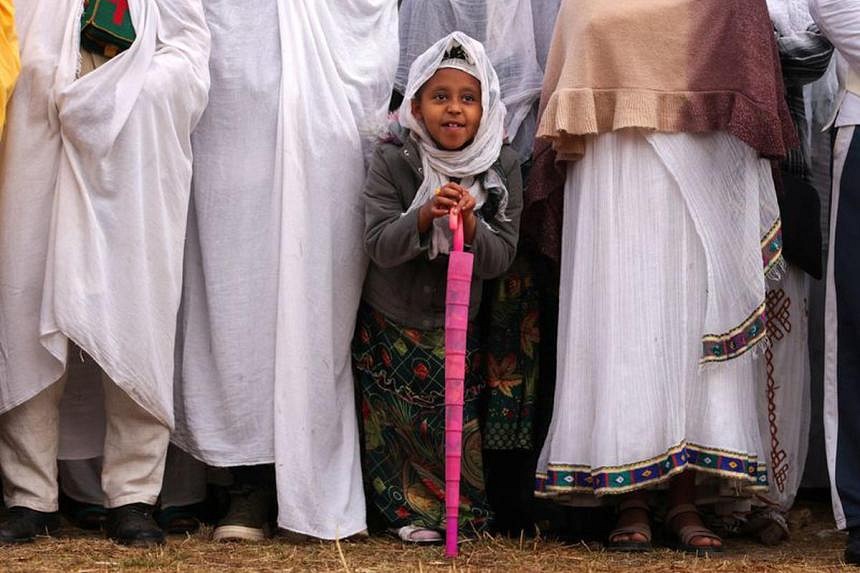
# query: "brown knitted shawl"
x,y
666,65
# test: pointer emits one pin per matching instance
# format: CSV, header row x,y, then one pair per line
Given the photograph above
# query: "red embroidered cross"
x,y
778,314
121,9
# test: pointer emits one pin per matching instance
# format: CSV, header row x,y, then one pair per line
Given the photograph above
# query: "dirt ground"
x,y
815,546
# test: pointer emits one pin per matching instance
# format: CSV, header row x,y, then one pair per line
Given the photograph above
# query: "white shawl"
x,y
94,185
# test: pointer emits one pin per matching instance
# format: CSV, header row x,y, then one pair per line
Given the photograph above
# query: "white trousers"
x,y
184,482
135,450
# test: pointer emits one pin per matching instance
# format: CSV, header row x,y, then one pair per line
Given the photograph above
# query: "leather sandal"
x,y
643,529
686,534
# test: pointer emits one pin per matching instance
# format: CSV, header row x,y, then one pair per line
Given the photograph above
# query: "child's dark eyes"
x,y
444,97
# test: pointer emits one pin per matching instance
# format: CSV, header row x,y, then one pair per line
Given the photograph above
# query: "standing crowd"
x,y
224,245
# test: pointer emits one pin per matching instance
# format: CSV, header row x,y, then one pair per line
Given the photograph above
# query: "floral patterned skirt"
x,y
401,377
511,343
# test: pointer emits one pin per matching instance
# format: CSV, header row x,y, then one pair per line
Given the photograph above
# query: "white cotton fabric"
x,y
94,181
841,147
441,165
783,385
839,21
733,209
275,259
544,13
634,303
789,17
504,27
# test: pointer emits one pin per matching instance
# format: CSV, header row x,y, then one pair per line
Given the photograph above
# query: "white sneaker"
x,y
415,534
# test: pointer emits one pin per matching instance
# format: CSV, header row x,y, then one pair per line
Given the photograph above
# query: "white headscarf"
x,y
505,29
440,165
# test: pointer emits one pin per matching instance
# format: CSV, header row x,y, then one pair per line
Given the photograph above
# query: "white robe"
x,y
275,258
94,183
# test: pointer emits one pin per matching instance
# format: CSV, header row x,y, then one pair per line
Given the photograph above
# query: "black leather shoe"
x,y
852,550
134,526
24,524
178,520
84,515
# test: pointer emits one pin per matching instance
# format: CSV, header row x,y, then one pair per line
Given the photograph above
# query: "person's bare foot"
x,y
692,519
632,532
631,517
683,519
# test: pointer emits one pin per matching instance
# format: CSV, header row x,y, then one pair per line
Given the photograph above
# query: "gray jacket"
x,y
402,282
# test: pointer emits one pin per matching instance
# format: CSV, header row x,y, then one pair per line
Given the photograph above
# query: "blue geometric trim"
x,y
561,478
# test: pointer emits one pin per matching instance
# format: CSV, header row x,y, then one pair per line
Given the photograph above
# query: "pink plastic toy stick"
x,y
456,324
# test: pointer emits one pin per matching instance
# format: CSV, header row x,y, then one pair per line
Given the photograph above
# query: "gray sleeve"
x,y
391,237
495,251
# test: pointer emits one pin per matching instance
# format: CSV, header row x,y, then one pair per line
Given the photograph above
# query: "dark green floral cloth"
x,y
511,327
401,379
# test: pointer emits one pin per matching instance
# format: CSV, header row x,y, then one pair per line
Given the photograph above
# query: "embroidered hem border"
x,y
771,247
719,348
722,347
562,479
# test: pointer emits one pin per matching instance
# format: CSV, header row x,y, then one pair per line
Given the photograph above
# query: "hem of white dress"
x,y
337,536
222,461
562,479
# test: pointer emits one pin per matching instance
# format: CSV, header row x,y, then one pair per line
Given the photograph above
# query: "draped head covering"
x,y
442,165
505,29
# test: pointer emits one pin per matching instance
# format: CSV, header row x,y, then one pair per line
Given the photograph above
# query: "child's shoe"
x,y
419,535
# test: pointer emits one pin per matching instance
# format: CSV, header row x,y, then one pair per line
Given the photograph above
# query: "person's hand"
x,y
446,198
466,207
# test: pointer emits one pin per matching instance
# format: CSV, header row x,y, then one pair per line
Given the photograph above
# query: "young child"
x,y
447,157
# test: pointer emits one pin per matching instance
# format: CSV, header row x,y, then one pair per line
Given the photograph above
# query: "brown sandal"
x,y
643,529
685,535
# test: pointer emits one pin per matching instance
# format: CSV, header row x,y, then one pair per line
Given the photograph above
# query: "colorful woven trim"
x,y
562,479
722,347
771,247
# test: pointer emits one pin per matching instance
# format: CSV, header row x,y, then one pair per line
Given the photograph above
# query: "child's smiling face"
x,y
449,104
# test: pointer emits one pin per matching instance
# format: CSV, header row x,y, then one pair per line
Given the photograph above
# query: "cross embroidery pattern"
x,y
778,314
120,11
778,326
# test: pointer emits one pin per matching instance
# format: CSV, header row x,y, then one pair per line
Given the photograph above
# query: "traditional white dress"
x,y
640,395
95,175
275,261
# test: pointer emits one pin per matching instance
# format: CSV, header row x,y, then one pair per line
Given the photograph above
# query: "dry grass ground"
x,y
815,546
